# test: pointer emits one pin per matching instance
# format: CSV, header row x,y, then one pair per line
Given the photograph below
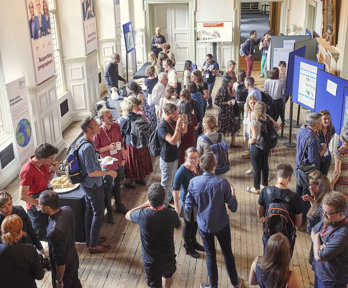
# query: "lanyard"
x,y
157,208
171,125
327,136
194,173
323,232
37,168
312,132
106,134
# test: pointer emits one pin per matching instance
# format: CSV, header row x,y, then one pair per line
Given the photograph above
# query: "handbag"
x,y
303,171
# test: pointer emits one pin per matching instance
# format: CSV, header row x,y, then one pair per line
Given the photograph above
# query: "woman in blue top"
x,y
182,178
325,136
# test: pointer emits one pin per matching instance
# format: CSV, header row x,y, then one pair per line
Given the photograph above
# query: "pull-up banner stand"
x,y
129,42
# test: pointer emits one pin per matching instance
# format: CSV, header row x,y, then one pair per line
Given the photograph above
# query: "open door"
x,y
274,17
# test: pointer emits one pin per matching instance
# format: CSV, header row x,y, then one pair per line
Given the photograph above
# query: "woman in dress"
x,y
339,180
138,161
325,136
272,269
19,262
259,157
228,114
182,178
170,97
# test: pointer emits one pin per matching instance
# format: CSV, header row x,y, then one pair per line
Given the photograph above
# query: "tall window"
x,y
60,84
4,106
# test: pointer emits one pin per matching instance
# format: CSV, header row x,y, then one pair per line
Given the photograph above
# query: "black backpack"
x,y
155,144
140,133
241,92
73,165
268,100
269,136
278,217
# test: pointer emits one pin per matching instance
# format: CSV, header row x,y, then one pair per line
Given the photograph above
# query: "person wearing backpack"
x,y
248,50
260,146
241,91
275,200
138,160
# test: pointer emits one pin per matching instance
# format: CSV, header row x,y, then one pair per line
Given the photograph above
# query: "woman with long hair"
x,y
19,262
150,81
197,77
159,67
169,97
187,72
45,19
325,136
228,114
152,58
272,269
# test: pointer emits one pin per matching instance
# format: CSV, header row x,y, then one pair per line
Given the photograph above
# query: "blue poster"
x,y
345,103
128,36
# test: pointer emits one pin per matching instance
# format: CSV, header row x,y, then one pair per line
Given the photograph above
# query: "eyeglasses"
x,y
193,158
329,214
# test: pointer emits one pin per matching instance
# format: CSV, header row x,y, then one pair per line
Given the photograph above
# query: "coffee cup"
x,y
233,101
118,146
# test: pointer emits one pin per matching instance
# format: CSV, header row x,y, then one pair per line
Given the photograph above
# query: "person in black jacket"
x,y
19,262
111,75
61,241
28,233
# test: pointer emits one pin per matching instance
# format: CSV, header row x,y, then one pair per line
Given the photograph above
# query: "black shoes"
x,y
130,185
121,209
198,246
141,182
110,218
192,252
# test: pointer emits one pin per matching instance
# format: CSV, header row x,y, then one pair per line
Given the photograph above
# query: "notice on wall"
x,y
331,87
289,44
89,25
21,121
307,84
41,39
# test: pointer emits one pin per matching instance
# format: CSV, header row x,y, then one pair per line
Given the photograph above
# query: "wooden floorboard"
x,y
122,265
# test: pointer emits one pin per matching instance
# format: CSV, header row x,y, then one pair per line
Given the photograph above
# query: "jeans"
x,y
224,238
277,110
326,284
39,222
189,233
210,99
300,190
249,60
94,214
259,161
263,62
168,170
112,187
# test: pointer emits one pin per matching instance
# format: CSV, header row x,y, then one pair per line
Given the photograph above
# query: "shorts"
x,y
155,271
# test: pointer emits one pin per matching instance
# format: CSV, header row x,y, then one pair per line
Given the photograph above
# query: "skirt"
x,y
138,162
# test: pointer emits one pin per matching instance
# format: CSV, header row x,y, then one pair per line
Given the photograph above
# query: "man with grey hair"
x,y
157,41
111,75
159,91
309,149
253,91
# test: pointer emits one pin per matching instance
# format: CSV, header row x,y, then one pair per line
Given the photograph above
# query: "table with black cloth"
x,y
76,200
141,72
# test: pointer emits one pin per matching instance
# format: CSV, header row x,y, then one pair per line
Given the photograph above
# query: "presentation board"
x,y
330,96
345,107
290,76
214,32
311,48
305,82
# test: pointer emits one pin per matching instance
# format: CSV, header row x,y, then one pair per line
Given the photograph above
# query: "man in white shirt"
x,y
159,90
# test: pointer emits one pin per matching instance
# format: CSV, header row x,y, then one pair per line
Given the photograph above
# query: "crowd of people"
x,y
193,155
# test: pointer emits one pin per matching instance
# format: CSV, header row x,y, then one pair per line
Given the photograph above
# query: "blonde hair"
x,y
11,229
247,108
127,106
259,110
210,122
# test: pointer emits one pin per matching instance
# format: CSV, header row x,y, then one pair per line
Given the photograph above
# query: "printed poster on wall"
x,y
307,84
41,39
89,25
118,18
21,121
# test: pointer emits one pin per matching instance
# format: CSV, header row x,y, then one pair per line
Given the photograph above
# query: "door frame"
x,y
192,24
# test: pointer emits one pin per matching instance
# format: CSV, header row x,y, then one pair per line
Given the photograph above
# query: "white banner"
x,y
89,25
41,39
22,126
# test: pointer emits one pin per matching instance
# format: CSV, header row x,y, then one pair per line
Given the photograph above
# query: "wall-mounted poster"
x,y
89,25
214,31
118,18
41,39
22,124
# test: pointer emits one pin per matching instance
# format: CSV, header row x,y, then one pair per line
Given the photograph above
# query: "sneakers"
x,y
250,171
99,249
261,76
204,285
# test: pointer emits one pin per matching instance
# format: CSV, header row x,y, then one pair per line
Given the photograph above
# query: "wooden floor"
x,y
122,265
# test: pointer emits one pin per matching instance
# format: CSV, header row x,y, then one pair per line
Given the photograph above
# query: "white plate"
x,y
65,190
104,161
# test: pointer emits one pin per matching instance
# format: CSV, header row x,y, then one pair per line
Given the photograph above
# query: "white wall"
x,y
216,10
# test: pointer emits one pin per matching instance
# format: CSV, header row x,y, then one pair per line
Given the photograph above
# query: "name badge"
x,y
207,75
113,152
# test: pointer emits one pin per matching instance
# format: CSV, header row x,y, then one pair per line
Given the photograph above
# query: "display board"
x,y
89,25
282,46
290,76
345,108
305,82
214,32
331,97
311,48
128,37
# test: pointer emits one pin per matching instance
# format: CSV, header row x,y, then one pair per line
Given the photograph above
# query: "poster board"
x,y
290,76
41,39
283,44
305,82
311,48
128,37
89,25
214,32
345,108
331,97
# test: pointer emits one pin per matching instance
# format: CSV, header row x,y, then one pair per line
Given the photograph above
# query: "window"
x,y
3,107
60,84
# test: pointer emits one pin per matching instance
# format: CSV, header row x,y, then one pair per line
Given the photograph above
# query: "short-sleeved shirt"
x,y
172,76
158,92
295,201
169,152
150,84
182,180
36,177
203,146
105,138
156,233
89,163
208,75
255,92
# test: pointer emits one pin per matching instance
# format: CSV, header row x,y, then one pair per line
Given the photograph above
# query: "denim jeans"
x,y
224,238
94,214
210,99
326,284
39,222
259,161
112,187
168,170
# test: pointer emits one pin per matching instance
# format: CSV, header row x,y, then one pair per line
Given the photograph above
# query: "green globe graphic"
x,y
23,132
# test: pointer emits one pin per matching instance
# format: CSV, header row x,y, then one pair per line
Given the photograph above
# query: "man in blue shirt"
x,y
93,186
249,50
252,90
210,70
210,193
330,243
312,153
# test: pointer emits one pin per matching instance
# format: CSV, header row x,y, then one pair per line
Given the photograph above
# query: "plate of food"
x,y
63,184
108,160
